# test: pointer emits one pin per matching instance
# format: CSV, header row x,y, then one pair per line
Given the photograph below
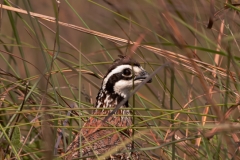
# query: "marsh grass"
x,y
52,63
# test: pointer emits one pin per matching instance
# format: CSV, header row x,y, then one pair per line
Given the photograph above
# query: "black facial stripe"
x,y
113,79
113,67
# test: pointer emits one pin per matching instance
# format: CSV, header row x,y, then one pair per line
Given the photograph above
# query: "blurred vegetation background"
x,y
51,70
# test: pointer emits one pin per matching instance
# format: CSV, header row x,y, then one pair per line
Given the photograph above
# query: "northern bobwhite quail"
x,y
96,138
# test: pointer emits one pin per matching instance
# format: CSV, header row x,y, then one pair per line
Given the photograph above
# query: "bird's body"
x,y
112,136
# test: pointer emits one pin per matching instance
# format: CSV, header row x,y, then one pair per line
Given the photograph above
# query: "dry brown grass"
x,y
53,56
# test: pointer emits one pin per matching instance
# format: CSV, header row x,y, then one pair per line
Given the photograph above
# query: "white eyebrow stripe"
x,y
119,69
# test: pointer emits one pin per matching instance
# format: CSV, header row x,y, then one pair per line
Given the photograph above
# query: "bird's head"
x,y
123,75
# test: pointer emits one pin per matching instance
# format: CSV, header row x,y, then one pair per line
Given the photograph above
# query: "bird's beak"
x,y
142,76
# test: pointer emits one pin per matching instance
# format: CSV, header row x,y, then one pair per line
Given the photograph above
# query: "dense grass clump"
x,y
53,56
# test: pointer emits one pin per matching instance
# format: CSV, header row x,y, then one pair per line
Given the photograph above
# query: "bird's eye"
x,y
127,72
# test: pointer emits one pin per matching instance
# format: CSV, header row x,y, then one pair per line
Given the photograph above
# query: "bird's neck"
x,y
106,102
106,99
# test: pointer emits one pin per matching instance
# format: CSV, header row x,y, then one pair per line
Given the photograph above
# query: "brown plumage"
x,y
112,136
